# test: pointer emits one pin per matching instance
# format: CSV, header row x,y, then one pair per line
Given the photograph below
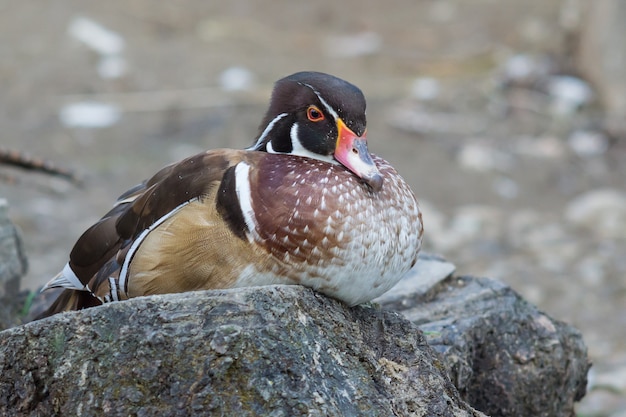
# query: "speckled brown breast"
x,y
328,230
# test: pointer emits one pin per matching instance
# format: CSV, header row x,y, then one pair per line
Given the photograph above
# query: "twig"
x,y
26,161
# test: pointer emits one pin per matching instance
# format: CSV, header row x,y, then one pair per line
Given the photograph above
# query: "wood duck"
x,y
305,204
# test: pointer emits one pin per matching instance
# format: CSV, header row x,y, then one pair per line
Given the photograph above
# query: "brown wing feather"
x,y
95,247
100,252
143,205
171,187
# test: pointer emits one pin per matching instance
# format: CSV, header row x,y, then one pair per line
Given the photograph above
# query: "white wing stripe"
x,y
137,243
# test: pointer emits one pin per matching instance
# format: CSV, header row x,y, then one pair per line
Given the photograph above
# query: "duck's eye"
x,y
314,114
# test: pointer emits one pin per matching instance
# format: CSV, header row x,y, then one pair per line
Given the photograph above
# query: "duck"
x,y
306,204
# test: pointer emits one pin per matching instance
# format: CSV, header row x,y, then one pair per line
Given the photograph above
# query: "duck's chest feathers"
x,y
320,222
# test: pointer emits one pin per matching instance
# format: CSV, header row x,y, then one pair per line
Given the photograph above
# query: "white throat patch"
x,y
298,149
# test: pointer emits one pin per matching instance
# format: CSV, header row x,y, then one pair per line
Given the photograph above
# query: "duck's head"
x,y
317,115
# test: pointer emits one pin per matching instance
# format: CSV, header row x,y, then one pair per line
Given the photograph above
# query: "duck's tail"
x,y
70,300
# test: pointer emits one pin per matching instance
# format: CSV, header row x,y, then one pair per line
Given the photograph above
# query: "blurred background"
x,y
508,119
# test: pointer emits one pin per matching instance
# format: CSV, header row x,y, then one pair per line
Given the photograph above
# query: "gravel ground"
x,y
519,177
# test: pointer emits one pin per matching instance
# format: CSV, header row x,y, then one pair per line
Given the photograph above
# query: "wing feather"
x,y
100,251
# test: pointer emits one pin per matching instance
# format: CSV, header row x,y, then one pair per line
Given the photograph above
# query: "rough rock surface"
x,y
276,351
13,263
505,356
13,266
602,54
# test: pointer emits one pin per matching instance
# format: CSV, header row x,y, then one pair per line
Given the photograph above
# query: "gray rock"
x,y
588,143
427,273
602,52
13,262
413,118
13,266
568,93
505,356
601,211
276,351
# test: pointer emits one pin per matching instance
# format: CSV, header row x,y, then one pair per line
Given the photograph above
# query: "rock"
x,y
602,52
425,88
524,70
506,187
482,158
353,45
469,226
505,356
607,390
276,351
588,143
442,11
568,93
601,211
429,271
412,117
545,147
90,115
236,79
13,262
13,266
613,379
603,403
523,76
108,44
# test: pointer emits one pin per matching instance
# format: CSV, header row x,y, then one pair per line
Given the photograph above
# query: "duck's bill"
x,y
351,151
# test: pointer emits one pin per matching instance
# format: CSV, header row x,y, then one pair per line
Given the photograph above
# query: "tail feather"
x,y
65,279
70,300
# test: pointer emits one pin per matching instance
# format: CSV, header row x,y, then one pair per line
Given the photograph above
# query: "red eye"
x,y
314,114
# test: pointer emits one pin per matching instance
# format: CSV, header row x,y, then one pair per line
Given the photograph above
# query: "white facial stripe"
x,y
266,132
137,243
327,106
242,188
269,148
298,149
